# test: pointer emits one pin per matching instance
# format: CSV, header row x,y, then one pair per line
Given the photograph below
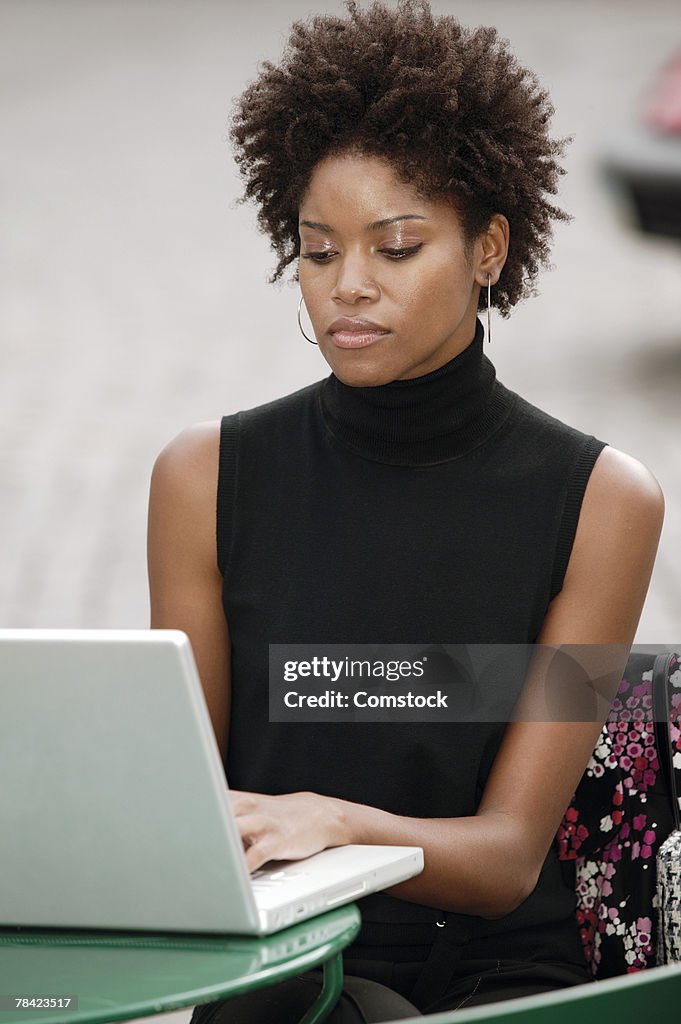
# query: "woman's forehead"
x,y
366,189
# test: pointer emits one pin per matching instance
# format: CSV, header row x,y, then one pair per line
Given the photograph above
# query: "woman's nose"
x,y
354,280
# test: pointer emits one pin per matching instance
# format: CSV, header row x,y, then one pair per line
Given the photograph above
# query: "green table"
x,y
119,975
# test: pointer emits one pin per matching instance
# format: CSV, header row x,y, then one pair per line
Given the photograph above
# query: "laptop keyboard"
x,y
268,879
263,879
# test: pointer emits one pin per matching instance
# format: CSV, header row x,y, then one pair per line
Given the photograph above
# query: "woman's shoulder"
x,y
280,408
620,484
613,554
539,423
614,472
193,445
186,468
617,479
191,458
181,510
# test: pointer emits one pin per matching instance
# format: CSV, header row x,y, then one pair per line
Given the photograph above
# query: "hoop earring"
x,y
489,292
300,303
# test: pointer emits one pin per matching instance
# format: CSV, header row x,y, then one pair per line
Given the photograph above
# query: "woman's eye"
x,y
394,254
399,254
318,257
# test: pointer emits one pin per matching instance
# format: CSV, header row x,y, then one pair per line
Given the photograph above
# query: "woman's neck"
x,y
423,420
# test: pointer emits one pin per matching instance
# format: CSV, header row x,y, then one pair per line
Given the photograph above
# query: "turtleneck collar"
x,y
424,420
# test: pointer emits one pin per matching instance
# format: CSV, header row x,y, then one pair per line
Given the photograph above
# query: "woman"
x,y
408,497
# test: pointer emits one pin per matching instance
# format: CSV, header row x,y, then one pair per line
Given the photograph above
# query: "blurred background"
x,y
134,298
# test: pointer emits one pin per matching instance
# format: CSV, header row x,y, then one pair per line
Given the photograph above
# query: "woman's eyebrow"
x,y
375,226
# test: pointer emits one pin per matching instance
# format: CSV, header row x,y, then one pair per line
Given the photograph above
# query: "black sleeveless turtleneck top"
x,y
436,510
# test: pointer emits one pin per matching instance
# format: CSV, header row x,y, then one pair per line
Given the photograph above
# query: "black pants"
x,y
377,991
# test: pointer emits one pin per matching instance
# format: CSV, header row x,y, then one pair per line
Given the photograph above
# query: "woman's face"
x,y
372,250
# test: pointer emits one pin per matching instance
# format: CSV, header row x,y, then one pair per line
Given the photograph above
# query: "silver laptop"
x,y
114,809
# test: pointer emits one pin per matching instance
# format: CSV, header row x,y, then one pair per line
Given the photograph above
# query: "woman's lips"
x,y
357,339
356,332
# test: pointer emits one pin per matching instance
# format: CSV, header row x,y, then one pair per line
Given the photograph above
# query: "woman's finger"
x,y
260,852
254,826
243,803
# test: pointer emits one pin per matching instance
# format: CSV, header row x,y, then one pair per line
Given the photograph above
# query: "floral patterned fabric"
x,y
618,818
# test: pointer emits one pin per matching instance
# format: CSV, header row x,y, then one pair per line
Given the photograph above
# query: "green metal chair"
x,y
654,994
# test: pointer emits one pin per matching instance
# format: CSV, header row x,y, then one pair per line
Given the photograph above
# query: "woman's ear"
x,y
492,249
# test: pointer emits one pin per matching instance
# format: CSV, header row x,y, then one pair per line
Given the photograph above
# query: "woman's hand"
x,y
287,827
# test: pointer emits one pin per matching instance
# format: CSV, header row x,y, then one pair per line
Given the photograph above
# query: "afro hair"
x,y
449,107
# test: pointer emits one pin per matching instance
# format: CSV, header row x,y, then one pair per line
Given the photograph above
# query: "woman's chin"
x,y
363,377
359,369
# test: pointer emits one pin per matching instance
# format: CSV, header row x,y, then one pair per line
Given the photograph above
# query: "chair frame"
x,y
627,999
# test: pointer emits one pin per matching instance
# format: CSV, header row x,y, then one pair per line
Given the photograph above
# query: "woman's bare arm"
x,y
487,864
185,584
